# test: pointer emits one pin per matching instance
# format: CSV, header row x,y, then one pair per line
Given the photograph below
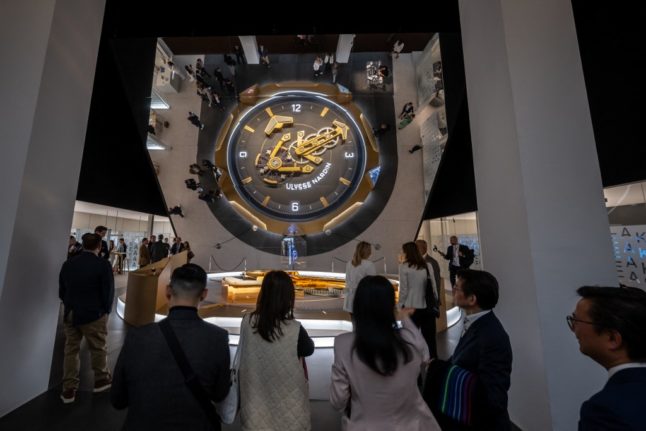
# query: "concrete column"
x,y
543,225
250,46
344,47
48,73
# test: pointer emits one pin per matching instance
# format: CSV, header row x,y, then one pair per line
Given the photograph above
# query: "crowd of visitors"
x,y
385,375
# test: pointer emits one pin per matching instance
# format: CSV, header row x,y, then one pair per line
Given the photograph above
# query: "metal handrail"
x,y
213,261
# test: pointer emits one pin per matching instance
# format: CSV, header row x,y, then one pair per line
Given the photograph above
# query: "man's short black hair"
x,y
481,284
100,229
91,241
621,309
188,280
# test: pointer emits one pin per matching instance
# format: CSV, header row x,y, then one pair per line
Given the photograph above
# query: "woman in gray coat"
x,y
413,274
375,370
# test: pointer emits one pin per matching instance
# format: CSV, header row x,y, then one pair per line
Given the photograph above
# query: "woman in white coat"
x,y
355,270
413,273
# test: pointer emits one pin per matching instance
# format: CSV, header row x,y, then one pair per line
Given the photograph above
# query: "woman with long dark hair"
x,y
413,273
375,370
273,386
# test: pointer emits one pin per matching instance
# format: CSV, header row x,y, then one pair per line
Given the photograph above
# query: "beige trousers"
x,y
95,334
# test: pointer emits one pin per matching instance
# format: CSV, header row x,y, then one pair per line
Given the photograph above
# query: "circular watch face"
x,y
296,156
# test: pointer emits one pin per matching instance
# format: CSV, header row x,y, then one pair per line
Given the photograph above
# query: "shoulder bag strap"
x,y
190,378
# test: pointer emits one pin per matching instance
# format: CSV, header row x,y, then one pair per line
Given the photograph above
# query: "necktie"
x,y
465,326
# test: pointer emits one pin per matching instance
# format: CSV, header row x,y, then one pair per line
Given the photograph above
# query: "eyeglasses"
x,y
571,320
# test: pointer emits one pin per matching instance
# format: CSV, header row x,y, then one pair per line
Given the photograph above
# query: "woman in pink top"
x,y
375,370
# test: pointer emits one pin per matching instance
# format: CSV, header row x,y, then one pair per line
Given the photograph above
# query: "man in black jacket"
x,y
610,325
459,257
159,250
147,378
86,287
473,384
422,246
73,247
102,231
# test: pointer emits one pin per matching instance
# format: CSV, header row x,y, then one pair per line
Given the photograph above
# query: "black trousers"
x,y
453,270
425,321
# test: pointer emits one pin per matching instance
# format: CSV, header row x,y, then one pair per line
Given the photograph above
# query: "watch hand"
x,y
313,144
305,169
277,122
286,137
275,163
314,159
299,141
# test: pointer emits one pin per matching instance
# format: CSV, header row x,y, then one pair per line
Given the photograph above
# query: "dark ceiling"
x,y
117,170
286,44
611,42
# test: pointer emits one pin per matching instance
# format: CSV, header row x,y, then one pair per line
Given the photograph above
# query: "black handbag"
x,y
432,304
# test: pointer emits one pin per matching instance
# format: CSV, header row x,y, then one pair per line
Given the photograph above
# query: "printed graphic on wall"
x,y
629,249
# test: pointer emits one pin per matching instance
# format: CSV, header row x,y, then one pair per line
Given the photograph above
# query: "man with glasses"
x,y
469,392
610,325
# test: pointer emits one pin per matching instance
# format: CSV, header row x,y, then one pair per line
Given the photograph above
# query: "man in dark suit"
x,y
459,257
423,250
73,247
158,250
610,325
144,253
86,287
431,322
102,231
147,378
483,356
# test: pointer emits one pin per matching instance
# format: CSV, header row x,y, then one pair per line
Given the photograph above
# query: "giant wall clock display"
x,y
297,159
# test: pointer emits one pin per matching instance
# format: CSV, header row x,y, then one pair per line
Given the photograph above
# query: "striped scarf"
x,y
456,397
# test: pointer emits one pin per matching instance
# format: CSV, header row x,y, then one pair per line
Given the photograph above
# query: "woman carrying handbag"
x,y
274,393
414,274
